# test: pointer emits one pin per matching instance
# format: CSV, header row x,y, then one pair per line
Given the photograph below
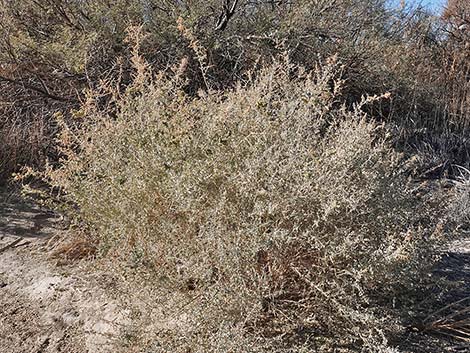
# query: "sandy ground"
x,y
46,307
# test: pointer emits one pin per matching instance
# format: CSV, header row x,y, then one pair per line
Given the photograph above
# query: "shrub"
x,y
279,215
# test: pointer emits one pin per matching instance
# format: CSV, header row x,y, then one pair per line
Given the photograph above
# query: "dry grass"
x,y
73,248
23,143
452,320
460,208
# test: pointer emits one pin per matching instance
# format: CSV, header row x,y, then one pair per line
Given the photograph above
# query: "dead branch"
x,y
43,91
226,15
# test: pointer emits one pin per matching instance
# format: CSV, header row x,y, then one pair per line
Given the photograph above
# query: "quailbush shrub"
x,y
280,215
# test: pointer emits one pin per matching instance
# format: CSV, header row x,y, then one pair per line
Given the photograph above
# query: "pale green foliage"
x,y
274,207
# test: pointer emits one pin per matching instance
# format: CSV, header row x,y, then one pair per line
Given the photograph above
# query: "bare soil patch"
x,y
44,307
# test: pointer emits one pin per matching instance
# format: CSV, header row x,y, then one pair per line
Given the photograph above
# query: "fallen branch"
x,y
12,244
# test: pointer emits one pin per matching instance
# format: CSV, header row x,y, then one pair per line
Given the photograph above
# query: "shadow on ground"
x,y
20,218
438,329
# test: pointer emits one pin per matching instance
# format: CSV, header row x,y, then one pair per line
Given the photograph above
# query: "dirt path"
x,y
47,308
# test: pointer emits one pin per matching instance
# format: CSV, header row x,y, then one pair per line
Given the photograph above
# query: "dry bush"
x,y
460,209
50,51
436,156
430,93
276,214
429,70
275,207
456,17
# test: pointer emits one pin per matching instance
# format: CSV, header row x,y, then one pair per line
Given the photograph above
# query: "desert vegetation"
x,y
286,169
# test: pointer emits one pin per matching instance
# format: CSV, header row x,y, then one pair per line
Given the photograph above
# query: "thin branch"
x,y
226,15
42,91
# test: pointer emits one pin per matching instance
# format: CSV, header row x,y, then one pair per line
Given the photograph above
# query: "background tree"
x,y
457,15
